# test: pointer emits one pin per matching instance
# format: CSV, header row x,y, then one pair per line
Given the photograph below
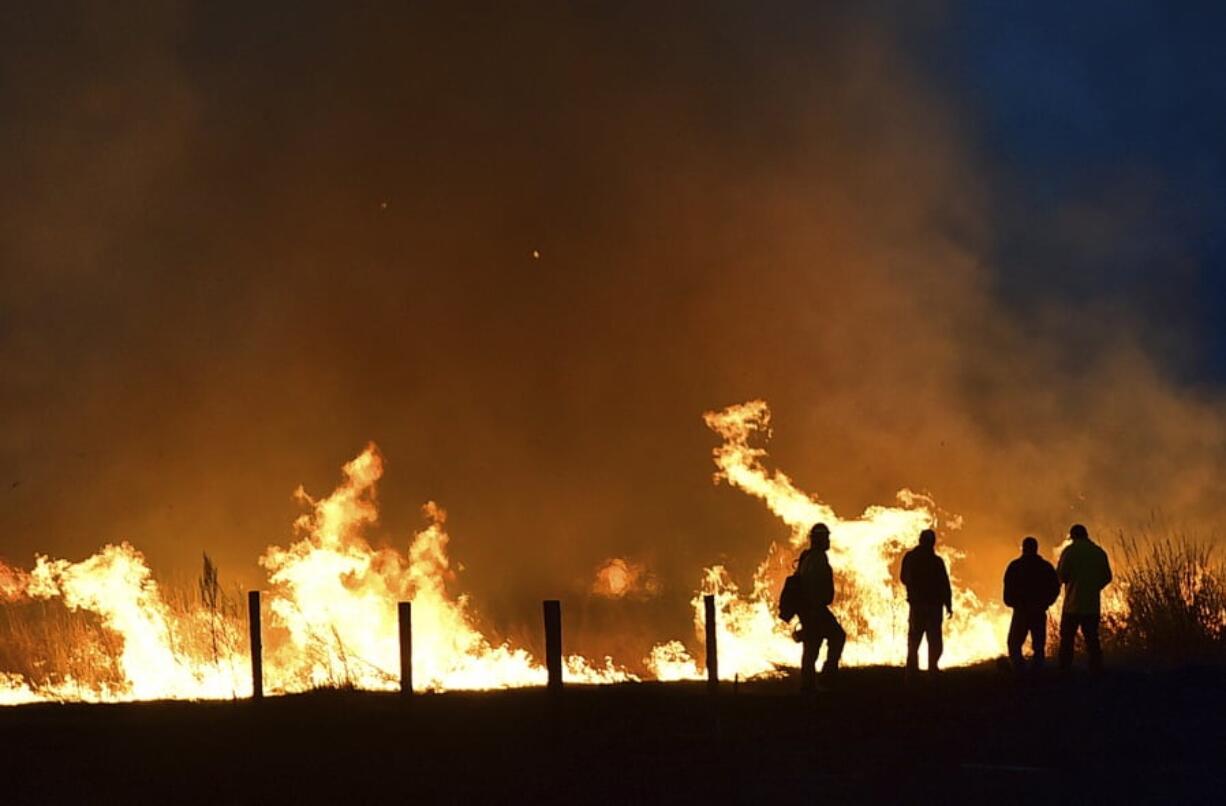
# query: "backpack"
x,y
791,598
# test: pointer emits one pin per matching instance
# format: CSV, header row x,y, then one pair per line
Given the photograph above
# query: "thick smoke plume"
x,y
523,252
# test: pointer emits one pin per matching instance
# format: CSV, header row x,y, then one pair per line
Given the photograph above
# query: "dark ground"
x,y
974,736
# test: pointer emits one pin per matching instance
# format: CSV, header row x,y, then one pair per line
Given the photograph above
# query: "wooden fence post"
x,y
257,645
708,602
553,643
405,613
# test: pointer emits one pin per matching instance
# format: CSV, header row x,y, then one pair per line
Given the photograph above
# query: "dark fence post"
x,y
553,643
405,613
708,602
257,645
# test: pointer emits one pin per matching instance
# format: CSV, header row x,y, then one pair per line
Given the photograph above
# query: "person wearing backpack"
x,y
1031,586
817,623
924,576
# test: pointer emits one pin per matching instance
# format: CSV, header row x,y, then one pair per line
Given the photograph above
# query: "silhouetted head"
x,y
1078,532
819,536
1030,546
928,538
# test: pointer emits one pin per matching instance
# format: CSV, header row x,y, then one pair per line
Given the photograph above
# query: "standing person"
x,y
1031,586
817,623
927,583
1085,571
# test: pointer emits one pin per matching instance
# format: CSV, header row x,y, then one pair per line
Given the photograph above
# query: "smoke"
x,y
239,247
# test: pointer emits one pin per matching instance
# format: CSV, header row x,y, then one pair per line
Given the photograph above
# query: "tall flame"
x,y
331,616
337,596
869,602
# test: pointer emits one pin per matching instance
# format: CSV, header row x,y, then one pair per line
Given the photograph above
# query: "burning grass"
x,y
62,647
104,628
1167,607
52,647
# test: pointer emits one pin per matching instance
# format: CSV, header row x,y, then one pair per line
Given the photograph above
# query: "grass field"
x,y
973,736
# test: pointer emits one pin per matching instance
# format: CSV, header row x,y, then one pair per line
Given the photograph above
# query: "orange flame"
x,y
618,578
869,602
330,619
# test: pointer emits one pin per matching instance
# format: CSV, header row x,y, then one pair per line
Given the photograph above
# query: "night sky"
x,y
970,249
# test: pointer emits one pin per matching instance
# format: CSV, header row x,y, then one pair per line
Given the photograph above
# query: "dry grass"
x,y
48,645
1174,595
1172,591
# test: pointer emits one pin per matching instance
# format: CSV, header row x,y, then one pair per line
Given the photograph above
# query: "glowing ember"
x,y
618,578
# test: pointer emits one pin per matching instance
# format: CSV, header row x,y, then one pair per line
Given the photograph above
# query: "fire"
x,y
117,585
869,602
336,596
330,617
618,578
12,583
330,614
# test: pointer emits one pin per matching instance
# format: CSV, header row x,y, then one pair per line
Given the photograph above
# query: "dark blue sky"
x,y
1103,125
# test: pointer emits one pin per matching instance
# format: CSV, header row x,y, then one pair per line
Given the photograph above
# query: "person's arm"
x,y
946,590
1010,584
1062,569
827,593
1106,569
904,573
1052,585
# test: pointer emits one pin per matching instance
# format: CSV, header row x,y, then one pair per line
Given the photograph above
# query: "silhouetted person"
x,y
1084,570
817,623
923,573
1031,586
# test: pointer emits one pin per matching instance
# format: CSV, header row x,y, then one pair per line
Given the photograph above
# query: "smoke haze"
x,y
523,253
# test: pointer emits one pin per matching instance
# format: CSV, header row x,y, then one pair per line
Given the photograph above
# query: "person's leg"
x,y
808,661
1015,639
1038,639
1068,634
835,639
936,642
915,633
1089,629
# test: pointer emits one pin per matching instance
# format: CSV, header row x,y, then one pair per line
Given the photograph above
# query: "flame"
x,y
337,596
869,602
618,578
117,585
330,617
13,583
